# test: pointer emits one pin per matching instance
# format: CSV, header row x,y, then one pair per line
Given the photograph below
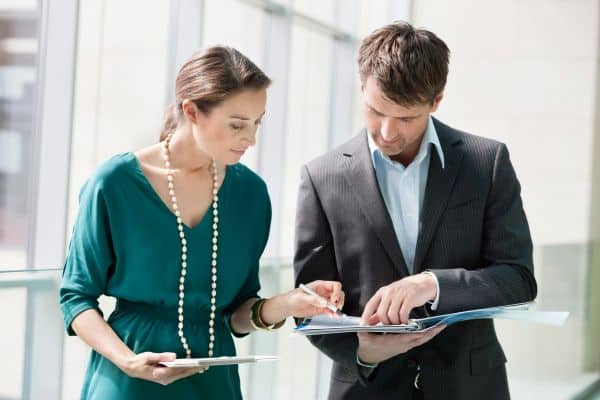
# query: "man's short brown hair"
x,y
409,65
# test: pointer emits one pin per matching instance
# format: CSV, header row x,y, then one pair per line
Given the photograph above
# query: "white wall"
x,y
523,72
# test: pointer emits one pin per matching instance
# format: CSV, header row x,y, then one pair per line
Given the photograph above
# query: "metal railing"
x,y
259,381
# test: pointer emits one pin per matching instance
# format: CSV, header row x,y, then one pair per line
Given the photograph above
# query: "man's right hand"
x,y
146,366
374,349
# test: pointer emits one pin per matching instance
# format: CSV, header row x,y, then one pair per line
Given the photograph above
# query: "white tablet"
x,y
213,361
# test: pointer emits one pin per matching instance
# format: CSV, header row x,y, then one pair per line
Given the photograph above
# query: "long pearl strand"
x,y
215,240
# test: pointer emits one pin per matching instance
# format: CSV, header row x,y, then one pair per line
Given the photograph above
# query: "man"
x,y
412,215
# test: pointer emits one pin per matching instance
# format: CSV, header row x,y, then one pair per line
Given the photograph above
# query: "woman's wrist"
x,y
274,309
124,360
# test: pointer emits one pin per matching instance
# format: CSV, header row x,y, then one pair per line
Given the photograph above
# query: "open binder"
x,y
326,325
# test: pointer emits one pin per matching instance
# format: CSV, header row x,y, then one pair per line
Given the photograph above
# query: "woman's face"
x,y
230,128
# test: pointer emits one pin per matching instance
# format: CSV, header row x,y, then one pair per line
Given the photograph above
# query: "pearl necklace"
x,y
215,211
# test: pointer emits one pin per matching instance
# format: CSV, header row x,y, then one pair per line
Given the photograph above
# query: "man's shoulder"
x,y
472,143
331,161
476,147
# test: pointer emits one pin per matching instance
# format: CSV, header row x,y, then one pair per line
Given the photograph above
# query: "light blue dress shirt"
x,y
403,189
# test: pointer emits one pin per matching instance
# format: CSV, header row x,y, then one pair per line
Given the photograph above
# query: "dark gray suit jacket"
x,y
473,235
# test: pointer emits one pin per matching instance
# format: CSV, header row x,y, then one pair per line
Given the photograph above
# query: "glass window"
x,y
321,10
120,86
12,309
235,24
307,116
19,27
357,116
120,92
372,15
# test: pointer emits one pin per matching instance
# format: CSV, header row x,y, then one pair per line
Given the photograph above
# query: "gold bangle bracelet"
x,y
257,322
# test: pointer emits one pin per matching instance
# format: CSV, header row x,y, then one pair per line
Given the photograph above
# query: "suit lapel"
x,y
439,185
360,176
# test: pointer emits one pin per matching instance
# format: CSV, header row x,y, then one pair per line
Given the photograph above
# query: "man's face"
x,y
395,129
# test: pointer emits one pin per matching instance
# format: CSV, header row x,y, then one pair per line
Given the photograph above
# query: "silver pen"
x,y
333,308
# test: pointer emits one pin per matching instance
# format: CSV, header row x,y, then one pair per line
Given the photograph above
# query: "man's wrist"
x,y
434,302
365,364
362,360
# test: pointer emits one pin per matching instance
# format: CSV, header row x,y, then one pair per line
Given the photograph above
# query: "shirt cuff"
x,y
365,369
434,304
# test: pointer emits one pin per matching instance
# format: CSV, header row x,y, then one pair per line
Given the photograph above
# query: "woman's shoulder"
x,y
110,173
248,188
247,180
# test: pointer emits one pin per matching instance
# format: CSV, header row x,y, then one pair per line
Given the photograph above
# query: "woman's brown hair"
x,y
208,78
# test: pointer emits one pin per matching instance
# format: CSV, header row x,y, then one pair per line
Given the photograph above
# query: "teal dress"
x,y
125,244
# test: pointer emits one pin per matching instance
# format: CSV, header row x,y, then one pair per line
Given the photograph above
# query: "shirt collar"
x,y
430,137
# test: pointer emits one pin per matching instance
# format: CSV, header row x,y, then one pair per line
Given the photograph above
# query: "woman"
x,y
175,232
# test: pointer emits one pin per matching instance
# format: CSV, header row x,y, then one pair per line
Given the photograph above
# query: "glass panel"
x,y
297,369
235,24
120,91
537,367
12,310
19,26
322,10
358,121
307,117
76,356
284,3
372,15
120,84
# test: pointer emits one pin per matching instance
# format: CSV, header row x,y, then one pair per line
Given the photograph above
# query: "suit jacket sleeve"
x,y
314,259
507,274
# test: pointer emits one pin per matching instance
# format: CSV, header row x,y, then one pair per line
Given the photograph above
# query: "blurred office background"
x,y
83,80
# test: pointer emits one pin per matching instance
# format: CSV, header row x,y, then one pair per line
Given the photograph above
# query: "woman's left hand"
x,y
301,304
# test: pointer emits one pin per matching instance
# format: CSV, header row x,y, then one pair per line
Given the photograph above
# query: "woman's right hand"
x,y
94,331
146,366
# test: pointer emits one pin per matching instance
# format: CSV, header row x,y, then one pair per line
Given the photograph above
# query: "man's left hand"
x,y
393,303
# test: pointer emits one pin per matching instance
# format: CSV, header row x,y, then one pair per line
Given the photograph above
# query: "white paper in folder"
x,y
325,325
